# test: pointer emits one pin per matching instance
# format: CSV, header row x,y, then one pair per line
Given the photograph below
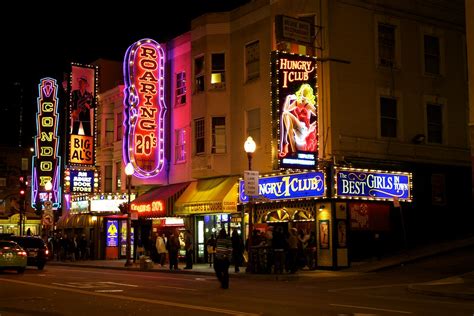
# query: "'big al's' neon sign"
x,y
144,108
46,162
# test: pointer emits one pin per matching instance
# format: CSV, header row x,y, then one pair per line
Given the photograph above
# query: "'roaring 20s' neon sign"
x,y
144,108
46,161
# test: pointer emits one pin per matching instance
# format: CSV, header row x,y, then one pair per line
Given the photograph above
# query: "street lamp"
x,y
129,172
249,147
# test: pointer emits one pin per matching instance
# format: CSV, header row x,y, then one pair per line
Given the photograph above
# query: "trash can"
x,y
145,263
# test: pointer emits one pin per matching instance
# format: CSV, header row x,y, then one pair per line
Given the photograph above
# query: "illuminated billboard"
x,y
82,114
295,110
46,162
144,108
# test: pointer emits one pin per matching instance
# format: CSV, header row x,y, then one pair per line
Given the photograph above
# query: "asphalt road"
x,y
60,290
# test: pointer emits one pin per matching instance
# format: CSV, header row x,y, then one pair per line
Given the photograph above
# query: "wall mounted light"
x,y
321,207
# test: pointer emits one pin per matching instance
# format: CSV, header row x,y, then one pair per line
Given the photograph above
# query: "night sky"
x,y
44,44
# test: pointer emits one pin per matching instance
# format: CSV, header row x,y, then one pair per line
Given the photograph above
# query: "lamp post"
x,y
129,172
249,147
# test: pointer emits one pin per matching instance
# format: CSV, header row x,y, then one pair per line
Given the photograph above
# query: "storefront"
x,y
11,224
209,205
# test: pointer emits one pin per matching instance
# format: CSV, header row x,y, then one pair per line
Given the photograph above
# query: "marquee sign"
x,y
46,162
290,186
82,114
295,109
82,181
144,108
372,184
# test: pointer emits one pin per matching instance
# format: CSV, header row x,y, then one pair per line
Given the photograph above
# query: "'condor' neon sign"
x,y
144,108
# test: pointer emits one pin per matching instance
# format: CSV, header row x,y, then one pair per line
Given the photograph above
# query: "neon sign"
x,y
144,108
155,207
46,162
295,109
372,184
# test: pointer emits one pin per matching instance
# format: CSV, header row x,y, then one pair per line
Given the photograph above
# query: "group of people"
x,y
167,249
72,247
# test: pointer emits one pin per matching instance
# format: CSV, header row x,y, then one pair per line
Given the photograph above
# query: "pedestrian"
x,y
161,249
211,249
237,250
188,246
292,250
222,258
173,246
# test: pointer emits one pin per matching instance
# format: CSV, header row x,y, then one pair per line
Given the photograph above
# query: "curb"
x,y
422,289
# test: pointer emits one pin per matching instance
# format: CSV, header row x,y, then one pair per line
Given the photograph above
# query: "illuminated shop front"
x,y
209,205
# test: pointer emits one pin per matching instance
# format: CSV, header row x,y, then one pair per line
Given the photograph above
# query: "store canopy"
x,y
75,221
158,202
277,216
216,195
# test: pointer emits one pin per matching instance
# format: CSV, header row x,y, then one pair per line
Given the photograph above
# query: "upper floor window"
x,y
434,120
431,54
180,146
253,125
108,179
180,88
199,135
119,124
218,71
218,135
99,133
109,131
252,60
388,117
386,45
118,175
199,74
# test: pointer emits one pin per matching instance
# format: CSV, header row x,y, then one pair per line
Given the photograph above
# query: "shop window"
x,y
218,71
199,74
180,89
218,135
199,136
252,60
388,117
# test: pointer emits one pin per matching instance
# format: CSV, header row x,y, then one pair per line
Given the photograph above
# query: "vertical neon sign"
x,y
46,161
144,108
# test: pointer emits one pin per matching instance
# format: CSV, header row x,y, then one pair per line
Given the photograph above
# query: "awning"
x,y
277,216
158,202
216,195
303,216
75,221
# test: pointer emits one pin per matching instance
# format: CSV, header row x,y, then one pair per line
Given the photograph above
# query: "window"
x,y
434,118
119,124
118,175
108,179
432,54
3,182
388,117
252,60
24,164
180,147
218,135
109,131
180,88
386,43
99,132
253,125
218,71
199,74
199,134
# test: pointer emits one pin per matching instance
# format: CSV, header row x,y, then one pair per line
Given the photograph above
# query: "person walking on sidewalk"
x,y
222,258
188,246
211,249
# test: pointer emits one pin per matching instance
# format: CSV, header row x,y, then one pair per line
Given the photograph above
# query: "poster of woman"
x,y
324,234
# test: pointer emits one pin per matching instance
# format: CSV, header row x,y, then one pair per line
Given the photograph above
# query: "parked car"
x,y
12,256
36,249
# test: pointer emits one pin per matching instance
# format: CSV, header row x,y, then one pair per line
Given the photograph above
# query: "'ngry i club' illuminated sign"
x,y
295,111
372,184
290,186
46,162
144,108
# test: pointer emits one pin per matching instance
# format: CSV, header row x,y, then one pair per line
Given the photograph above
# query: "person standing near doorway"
x,y
188,246
161,249
173,249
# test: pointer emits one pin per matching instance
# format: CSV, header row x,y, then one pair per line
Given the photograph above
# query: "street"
x,y
62,290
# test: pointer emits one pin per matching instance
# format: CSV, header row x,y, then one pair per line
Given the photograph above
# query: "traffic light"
x,y
22,188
